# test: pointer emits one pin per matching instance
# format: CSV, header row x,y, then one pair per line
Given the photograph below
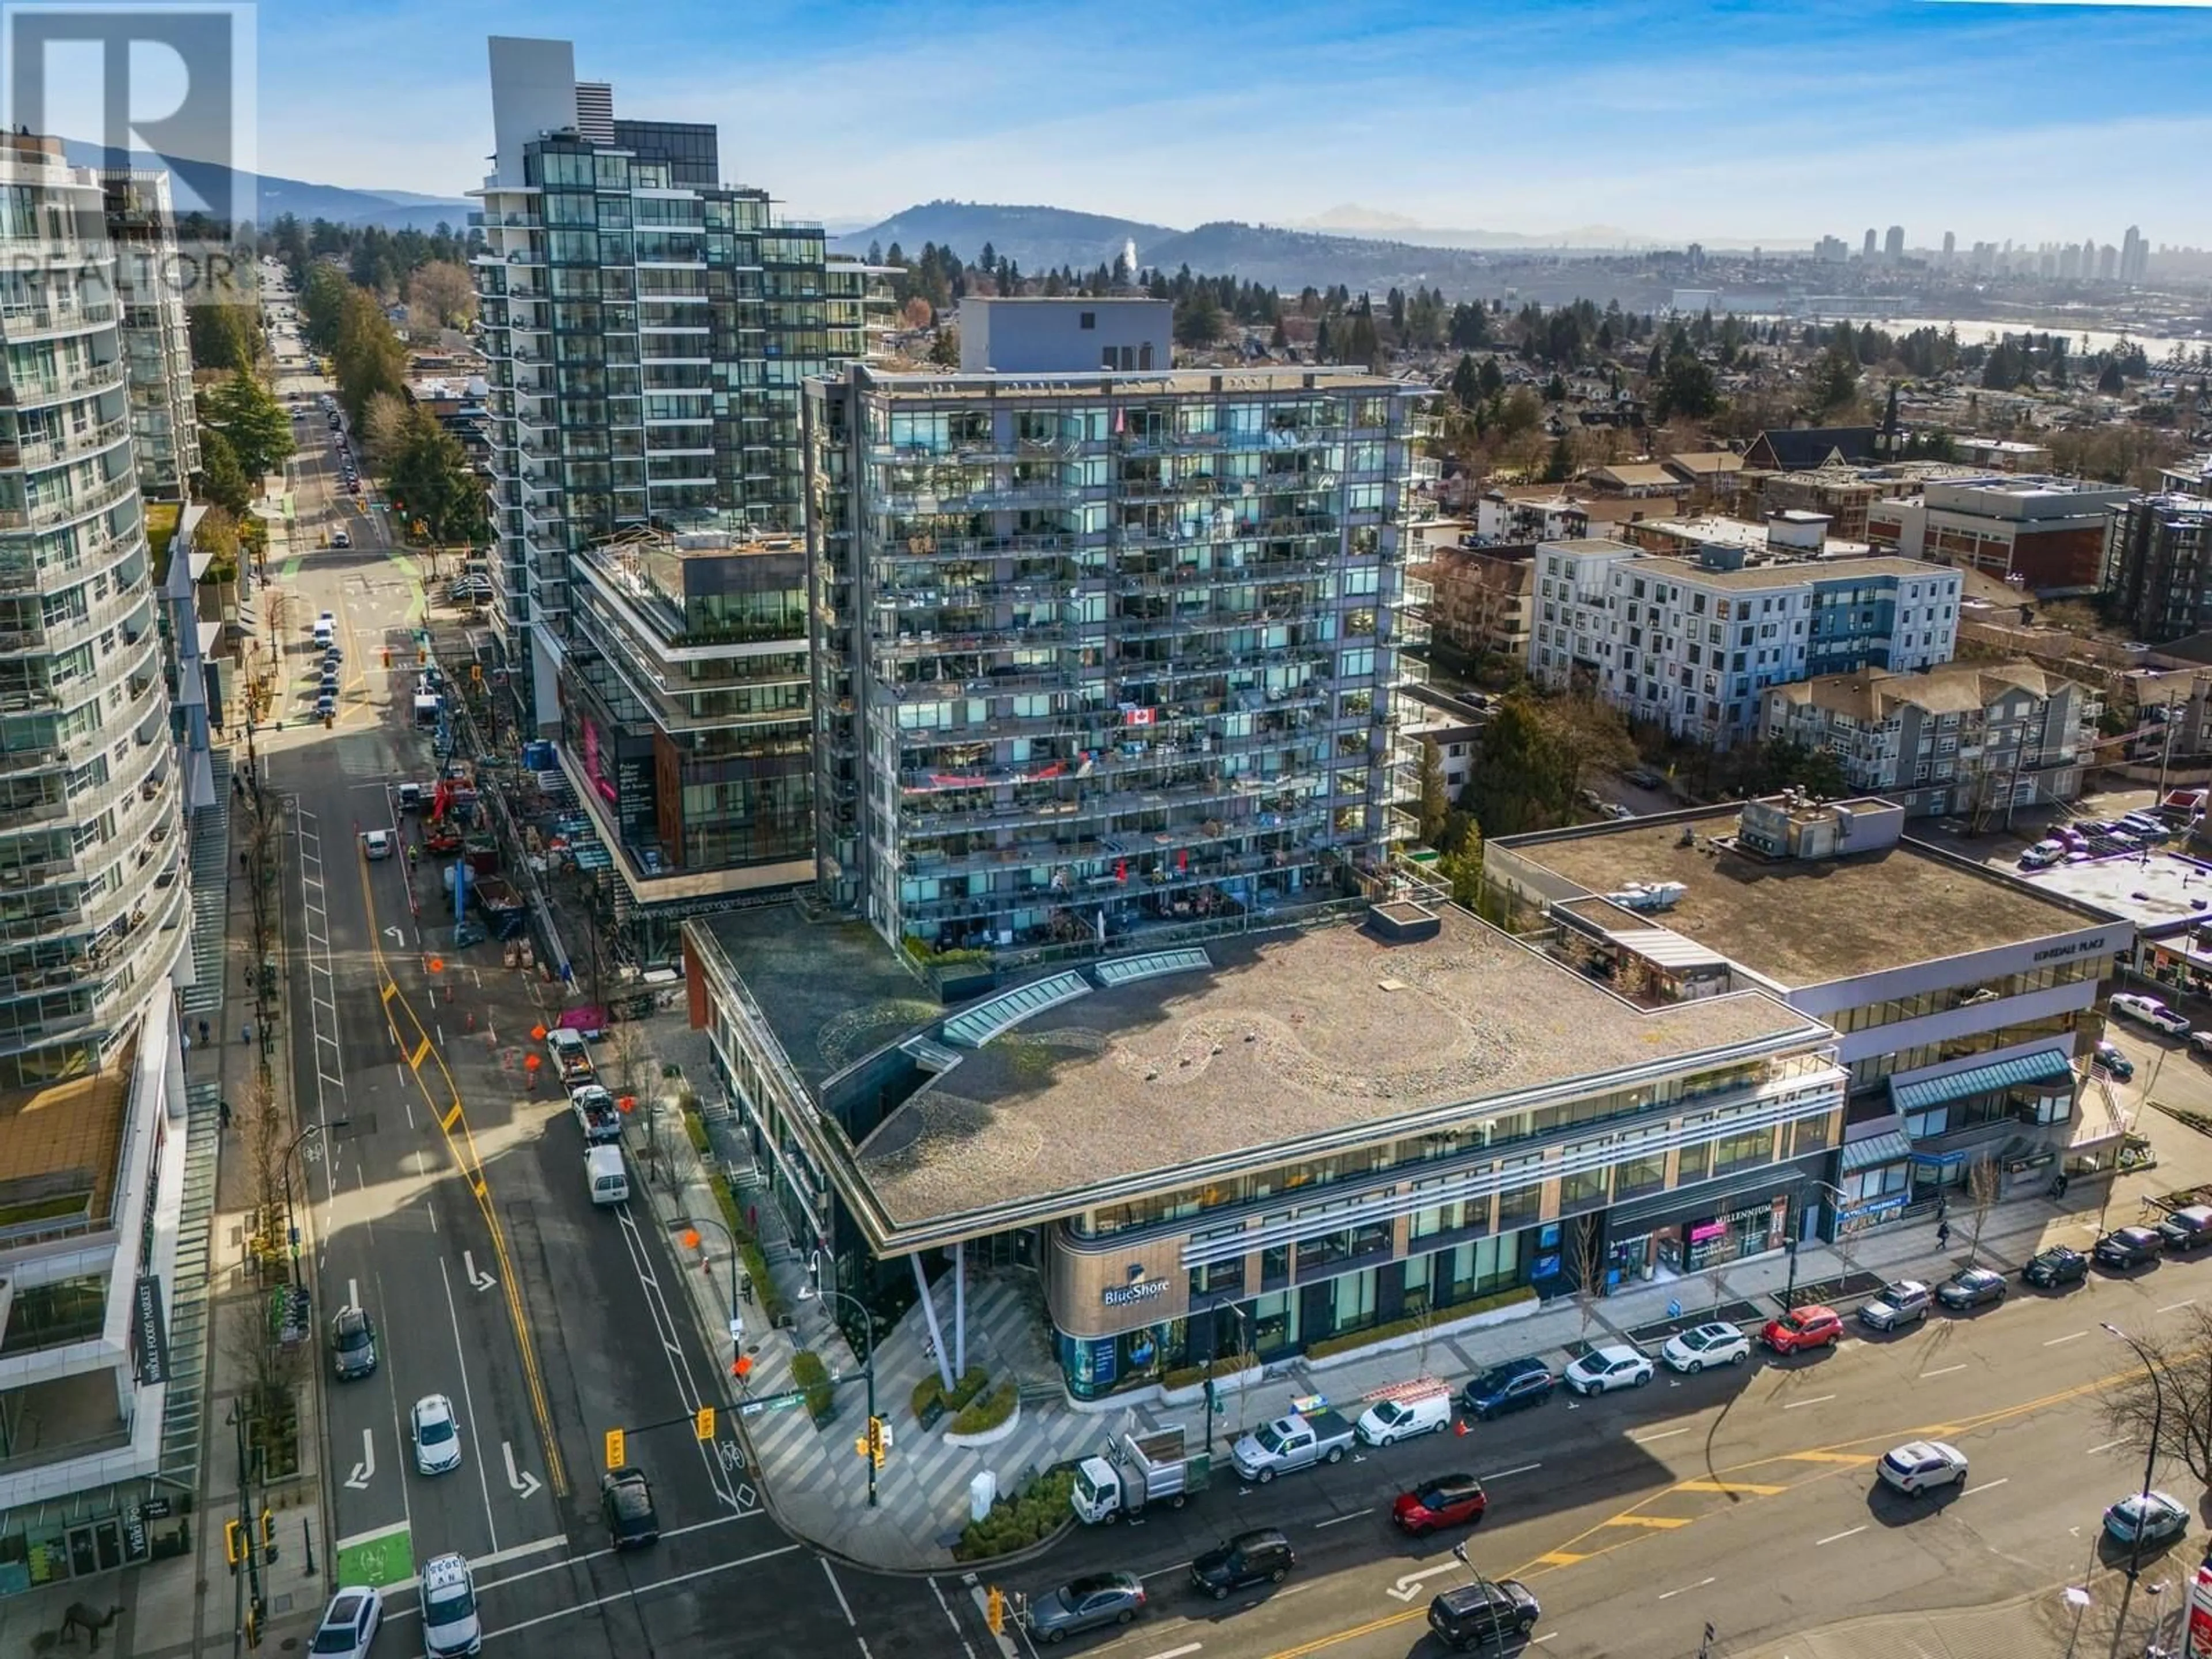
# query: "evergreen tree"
x,y
1560,466
254,424
1491,378
1467,383
221,480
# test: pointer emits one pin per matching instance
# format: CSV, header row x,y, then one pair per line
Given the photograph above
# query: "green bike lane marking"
x,y
377,1558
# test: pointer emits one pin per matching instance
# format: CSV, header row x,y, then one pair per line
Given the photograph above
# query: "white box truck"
x,y
1138,1470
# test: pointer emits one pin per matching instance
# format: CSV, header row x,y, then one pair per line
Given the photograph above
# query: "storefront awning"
x,y
1891,1147
2046,1066
1704,1198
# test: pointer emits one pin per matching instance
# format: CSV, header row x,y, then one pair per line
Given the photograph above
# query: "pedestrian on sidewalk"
x,y
1943,1235
222,1115
241,858
245,1032
204,1033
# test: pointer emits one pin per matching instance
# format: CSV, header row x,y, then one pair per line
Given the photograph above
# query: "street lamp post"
x,y
807,1293
1211,1384
2150,1471
291,1231
737,1319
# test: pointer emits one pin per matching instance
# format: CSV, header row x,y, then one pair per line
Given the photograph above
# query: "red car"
x,y
1449,1500
1811,1327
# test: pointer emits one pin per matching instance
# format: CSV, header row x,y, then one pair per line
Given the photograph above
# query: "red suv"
x,y
1449,1500
1812,1326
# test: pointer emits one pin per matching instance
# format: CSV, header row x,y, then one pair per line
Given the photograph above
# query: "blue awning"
x,y
2047,1066
1893,1147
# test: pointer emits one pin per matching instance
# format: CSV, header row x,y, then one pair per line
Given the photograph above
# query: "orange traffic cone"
x,y
1459,1428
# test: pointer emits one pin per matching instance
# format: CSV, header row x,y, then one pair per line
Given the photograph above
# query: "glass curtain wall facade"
x,y
1096,654
164,428
649,333
92,889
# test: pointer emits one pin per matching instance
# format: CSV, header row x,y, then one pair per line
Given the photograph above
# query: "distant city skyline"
x,y
1684,124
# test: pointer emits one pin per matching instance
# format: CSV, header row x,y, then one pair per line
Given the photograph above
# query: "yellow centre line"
x,y
460,1141
1837,1456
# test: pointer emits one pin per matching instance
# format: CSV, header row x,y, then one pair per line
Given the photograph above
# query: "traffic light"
x,y
252,1623
234,1541
269,1534
615,1448
995,1610
878,1440
703,1423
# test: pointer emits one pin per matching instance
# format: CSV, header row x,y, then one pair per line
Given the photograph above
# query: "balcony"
x,y
26,318
36,390
39,451
52,514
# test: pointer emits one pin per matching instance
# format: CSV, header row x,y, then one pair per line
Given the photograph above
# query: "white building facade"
x,y
1694,646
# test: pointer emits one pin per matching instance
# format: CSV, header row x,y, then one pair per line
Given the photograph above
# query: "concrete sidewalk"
x,y
816,1484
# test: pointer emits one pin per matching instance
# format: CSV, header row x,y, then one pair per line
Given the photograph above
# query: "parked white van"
x,y
1424,1411
609,1178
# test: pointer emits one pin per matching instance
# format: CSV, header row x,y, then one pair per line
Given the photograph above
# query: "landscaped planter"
x,y
988,1436
1195,1394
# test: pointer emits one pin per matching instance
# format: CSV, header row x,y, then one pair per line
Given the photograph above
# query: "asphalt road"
x,y
468,1237
1746,1497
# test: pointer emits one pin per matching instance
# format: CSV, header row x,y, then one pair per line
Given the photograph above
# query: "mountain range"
x,y
397,209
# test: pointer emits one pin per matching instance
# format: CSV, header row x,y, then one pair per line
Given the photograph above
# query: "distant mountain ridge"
x,y
276,195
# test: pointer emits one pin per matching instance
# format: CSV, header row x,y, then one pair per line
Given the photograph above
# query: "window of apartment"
x,y
1088,320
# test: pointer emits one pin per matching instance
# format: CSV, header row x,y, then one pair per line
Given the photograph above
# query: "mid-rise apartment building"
x,y
2047,534
685,715
1694,646
1096,653
2158,566
1978,741
142,228
1482,599
648,330
95,907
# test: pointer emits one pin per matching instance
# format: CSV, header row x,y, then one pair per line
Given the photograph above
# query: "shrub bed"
x,y
772,1304
972,1382
929,1394
1016,1522
1227,1365
1329,1345
808,1372
990,1411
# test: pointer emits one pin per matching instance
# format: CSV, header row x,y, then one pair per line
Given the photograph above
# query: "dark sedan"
x,y
353,1345
1088,1603
2055,1268
2128,1247
1264,1557
627,1497
1971,1287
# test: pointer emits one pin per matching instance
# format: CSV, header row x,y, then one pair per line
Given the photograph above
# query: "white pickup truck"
x,y
1296,1441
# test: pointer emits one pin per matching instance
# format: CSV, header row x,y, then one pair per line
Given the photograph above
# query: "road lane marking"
x,y
1523,1469
1409,1584
2108,1446
1668,1596
1560,1557
1985,1486
1946,1370
1654,1523
1851,1459
469,1400
946,1607
365,1471
1817,1400
1838,1537
640,1592
2056,1340
1728,1486
838,1590
1663,1434
1339,1520
1177,1653
2176,1306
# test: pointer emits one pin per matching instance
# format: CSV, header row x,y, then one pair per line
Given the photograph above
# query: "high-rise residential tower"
x,y
1102,649
1893,245
94,904
649,328
143,229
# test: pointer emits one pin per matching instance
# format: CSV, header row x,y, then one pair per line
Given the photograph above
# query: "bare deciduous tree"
x,y
1586,1262
1984,1181
2183,1362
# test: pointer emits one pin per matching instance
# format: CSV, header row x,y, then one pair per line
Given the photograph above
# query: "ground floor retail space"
x,y
90,1534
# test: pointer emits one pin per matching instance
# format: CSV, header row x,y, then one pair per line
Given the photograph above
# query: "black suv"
x,y
1488,1610
2127,1246
2187,1230
1508,1388
353,1345
1250,1558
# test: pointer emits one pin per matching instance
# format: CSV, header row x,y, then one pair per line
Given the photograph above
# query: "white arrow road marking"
x,y
525,1483
365,1471
1409,1584
481,1281
353,1293
396,937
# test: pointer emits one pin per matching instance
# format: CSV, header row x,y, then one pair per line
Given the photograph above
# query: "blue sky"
x,y
1779,121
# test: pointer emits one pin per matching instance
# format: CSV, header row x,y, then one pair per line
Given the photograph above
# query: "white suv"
x,y
2150,1011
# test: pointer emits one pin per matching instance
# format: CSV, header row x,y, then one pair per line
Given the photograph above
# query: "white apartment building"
x,y
1694,644
1965,738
